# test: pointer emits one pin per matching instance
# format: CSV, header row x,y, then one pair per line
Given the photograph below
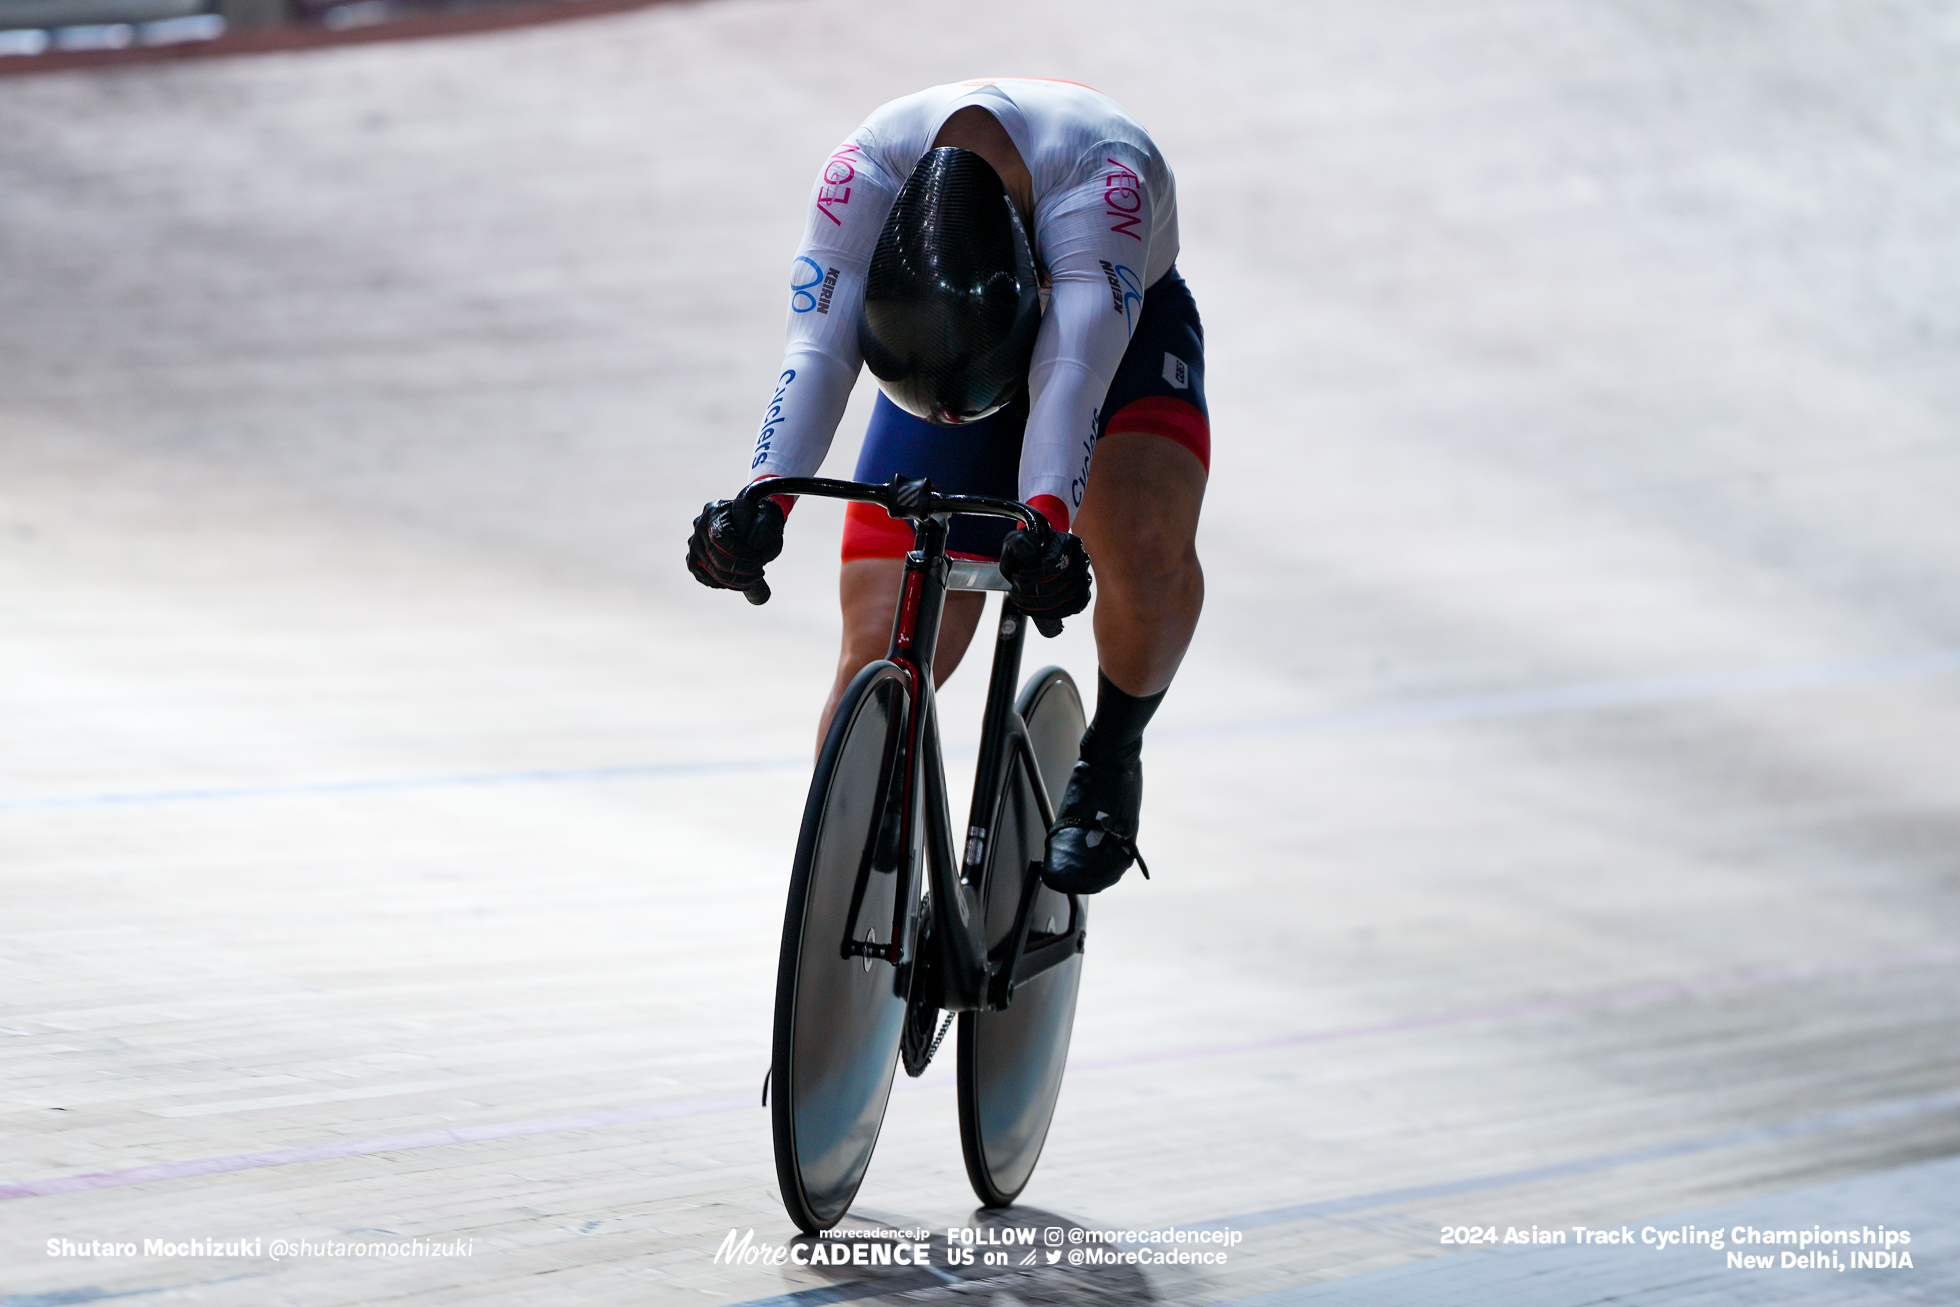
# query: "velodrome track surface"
x,y
1555,823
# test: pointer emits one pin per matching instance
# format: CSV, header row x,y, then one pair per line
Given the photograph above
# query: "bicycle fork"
x,y
914,641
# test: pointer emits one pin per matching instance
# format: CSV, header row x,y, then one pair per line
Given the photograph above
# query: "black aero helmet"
x,y
951,304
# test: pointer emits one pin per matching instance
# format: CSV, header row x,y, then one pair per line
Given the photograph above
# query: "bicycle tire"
x,y
838,1019
1011,1062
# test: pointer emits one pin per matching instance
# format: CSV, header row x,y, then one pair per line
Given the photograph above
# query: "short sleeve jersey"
x,y
1105,229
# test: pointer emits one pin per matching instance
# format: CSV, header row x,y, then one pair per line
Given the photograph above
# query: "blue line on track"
x,y
1593,697
459,780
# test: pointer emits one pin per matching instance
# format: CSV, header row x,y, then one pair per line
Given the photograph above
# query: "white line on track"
x,y
1598,696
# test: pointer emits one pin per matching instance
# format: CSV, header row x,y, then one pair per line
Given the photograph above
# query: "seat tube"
x,y
996,737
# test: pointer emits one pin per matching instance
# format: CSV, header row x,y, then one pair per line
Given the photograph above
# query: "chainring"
x,y
920,1041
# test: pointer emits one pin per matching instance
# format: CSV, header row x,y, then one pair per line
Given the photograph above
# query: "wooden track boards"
x,y
1554,823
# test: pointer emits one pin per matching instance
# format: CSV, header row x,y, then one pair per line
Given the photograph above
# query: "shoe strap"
x,y
1125,841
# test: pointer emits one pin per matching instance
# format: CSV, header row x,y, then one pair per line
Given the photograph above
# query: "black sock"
x,y
1116,736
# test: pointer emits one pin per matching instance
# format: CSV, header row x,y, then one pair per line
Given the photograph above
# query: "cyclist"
x,y
934,234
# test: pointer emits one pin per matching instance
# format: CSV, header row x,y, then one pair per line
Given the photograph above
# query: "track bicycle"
x,y
892,921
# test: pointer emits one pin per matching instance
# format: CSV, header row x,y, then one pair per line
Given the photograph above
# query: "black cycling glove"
x,y
1046,584
732,543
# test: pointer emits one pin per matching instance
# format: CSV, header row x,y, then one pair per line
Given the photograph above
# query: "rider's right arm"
x,y
826,287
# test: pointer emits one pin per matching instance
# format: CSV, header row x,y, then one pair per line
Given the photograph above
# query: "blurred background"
x,y
132,30
1562,776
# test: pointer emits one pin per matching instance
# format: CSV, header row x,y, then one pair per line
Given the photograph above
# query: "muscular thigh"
x,y
1142,505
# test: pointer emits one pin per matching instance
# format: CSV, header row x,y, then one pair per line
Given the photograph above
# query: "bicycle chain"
x,y
944,1026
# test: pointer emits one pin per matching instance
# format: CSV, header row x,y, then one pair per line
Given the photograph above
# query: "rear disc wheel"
x,y
1010,1062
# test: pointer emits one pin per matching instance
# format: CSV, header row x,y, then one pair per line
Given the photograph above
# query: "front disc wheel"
x,y
840,1013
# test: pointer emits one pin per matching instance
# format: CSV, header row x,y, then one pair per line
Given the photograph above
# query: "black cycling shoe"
x,y
1094,838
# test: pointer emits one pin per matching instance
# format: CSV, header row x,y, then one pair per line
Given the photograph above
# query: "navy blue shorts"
x,y
1159,388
